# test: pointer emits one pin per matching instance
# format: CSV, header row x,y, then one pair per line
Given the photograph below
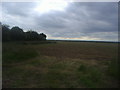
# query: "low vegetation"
x,y
60,65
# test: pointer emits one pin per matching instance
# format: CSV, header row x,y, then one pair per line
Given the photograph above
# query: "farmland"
x,y
60,64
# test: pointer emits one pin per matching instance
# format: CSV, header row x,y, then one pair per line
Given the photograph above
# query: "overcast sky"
x,y
66,20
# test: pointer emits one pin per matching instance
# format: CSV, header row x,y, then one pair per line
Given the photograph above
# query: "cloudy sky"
x,y
65,20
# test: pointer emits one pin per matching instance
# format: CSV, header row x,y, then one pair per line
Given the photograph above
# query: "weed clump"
x,y
82,68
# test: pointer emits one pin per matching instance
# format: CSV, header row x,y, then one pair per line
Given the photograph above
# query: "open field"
x,y
60,65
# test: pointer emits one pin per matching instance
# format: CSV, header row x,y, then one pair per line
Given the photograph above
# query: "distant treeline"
x,y
17,34
88,41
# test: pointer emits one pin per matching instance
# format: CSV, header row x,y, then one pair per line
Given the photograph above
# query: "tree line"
x,y
17,34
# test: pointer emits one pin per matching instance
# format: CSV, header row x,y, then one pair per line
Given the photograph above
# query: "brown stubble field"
x,y
81,50
60,65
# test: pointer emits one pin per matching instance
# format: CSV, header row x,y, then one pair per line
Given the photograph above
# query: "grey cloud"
x,y
50,21
78,20
94,13
18,8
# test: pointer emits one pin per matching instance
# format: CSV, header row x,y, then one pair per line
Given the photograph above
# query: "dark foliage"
x,y
17,34
5,33
42,36
31,35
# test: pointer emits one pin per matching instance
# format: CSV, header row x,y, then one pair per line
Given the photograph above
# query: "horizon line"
x,y
84,40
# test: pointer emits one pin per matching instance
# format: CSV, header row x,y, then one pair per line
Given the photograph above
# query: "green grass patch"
x,y
113,69
82,68
16,53
89,76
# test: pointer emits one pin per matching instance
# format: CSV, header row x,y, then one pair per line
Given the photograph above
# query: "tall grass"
x,y
17,53
113,69
89,76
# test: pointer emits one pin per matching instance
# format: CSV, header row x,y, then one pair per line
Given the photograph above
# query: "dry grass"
x,y
62,65
100,51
